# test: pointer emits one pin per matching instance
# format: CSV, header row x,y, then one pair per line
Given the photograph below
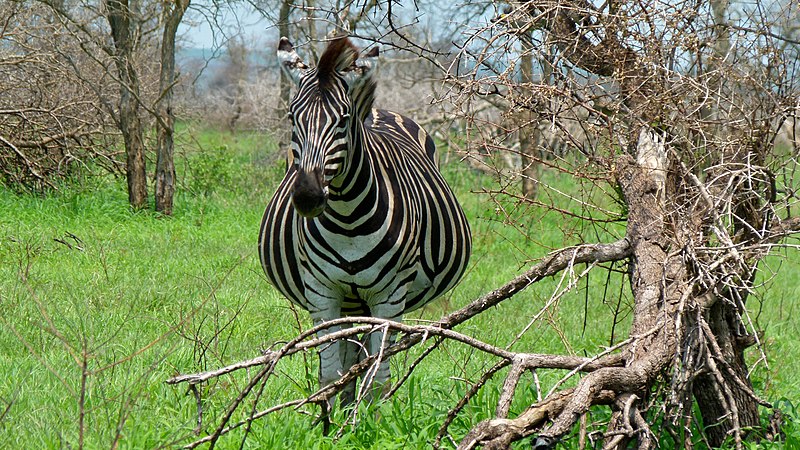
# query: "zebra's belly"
x,y
365,270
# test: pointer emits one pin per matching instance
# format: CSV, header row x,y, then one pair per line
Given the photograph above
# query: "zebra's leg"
x,y
379,340
350,350
330,355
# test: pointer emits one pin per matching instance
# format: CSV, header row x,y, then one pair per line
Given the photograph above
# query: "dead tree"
x,y
692,154
110,50
52,122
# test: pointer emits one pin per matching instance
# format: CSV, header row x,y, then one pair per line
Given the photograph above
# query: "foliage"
x,y
232,165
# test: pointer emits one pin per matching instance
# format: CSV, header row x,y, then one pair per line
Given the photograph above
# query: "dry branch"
x,y
414,334
549,265
500,433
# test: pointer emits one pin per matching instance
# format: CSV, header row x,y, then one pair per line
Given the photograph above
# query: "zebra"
x,y
363,224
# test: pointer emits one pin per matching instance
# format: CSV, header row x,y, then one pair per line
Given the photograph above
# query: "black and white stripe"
x,y
363,223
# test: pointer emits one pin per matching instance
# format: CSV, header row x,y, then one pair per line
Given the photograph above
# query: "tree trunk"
x,y
129,121
130,125
165,123
715,401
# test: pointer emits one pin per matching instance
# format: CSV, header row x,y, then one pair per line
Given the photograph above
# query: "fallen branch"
x,y
500,433
549,265
414,334
201,377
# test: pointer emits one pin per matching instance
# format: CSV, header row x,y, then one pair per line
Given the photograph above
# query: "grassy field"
x,y
99,305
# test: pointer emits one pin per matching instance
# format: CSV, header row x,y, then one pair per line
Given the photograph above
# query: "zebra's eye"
x,y
290,116
343,120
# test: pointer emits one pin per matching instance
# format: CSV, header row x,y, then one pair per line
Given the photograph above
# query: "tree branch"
x,y
550,265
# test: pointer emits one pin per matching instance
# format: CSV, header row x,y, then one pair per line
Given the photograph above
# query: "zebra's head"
x,y
331,99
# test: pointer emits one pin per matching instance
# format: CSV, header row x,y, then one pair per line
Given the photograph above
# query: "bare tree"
x,y
110,42
96,49
692,152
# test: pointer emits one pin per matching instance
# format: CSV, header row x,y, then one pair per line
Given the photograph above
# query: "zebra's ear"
x,y
291,63
367,64
361,83
363,69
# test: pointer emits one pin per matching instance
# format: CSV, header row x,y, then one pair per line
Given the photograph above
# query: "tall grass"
x,y
99,305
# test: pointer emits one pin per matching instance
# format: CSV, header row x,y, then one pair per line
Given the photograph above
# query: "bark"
x,y
129,120
717,398
165,123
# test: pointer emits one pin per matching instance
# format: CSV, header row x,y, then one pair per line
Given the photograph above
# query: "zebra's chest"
x,y
361,259
349,249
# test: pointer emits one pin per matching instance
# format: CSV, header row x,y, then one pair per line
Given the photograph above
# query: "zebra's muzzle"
x,y
309,195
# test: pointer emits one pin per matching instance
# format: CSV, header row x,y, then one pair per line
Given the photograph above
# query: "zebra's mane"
x,y
338,56
341,56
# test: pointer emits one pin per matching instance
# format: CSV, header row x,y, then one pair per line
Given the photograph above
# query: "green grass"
x,y
101,300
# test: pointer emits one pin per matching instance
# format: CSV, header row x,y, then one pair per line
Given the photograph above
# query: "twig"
x,y
413,365
509,387
201,377
451,415
198,399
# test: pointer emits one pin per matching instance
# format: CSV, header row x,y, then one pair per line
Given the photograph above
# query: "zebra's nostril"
x,y
308,194
308,204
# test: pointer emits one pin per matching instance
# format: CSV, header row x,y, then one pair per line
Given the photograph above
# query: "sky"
x,y
197,32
